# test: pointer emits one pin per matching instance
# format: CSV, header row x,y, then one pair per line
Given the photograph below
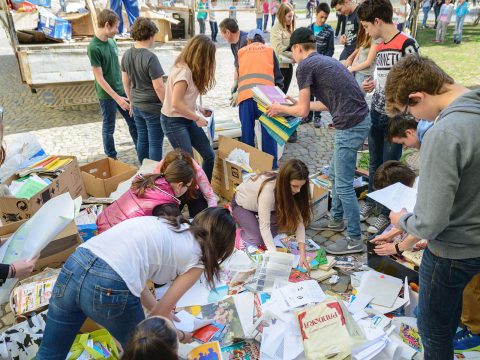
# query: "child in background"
x,y
406,131
446,12
324,37
363,64
266,12
273,10
200,194
232,14
202,15
148,192
212,19
282,203
461,12
153,336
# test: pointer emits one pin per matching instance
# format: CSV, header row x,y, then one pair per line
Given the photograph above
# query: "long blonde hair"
x,y
282,12
363,39
199,56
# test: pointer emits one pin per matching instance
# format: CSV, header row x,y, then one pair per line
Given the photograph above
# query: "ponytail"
x,y
177,171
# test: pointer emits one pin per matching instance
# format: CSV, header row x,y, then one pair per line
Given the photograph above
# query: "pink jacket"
x,y
129,205
202,182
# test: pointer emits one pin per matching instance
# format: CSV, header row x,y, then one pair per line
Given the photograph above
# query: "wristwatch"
x,y
399,252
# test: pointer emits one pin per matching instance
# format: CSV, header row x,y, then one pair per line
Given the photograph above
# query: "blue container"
x,y
55,27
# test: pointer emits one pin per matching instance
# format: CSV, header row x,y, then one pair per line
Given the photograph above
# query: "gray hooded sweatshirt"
x,y
447,211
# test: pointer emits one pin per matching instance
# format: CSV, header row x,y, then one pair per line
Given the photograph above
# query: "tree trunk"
x,y
413,25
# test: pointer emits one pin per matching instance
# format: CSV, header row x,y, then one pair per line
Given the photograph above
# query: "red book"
x,y
205,333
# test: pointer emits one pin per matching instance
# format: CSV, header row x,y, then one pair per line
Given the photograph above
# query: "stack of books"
x,y
279,127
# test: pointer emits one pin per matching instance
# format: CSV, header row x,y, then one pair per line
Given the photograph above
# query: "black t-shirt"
x,y
242,41
332,84
351,31
142,66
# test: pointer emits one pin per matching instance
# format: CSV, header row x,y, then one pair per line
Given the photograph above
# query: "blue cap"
x,y
252,33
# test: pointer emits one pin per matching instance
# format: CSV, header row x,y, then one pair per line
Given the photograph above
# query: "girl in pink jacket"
x,y
147,192
200,194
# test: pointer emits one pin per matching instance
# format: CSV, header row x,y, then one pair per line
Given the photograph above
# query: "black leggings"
x,y
287,77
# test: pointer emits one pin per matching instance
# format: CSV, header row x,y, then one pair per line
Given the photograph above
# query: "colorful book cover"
x,y
208,351
325,320
297,276
247,350
274,94
411,337
206,333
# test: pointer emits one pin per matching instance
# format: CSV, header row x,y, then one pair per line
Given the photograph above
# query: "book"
x,y
206,333
273,94
34,295
247,350
50,165
208,351
325,332
321,275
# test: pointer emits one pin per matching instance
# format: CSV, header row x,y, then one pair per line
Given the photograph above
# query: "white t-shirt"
x,y
146,248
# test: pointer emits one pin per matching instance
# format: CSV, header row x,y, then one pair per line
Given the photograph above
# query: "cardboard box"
x,y
14,209
227,176
57,252
163,24
25,20
319,202
82,24
54,26
102,177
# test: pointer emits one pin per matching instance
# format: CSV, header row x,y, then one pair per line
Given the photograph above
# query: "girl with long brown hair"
x,y
363,64
105,278
200,194
193,74
282,203
147,192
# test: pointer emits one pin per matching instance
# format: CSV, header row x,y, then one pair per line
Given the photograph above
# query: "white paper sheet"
x,y
359,303
190,323
396,197
300,294
383,288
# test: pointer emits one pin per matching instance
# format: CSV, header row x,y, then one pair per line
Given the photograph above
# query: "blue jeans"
x,y
150,135
457,34
380,149
185,134
259,23
131,7
273,19
214,29
87,286
425,10
440,301
265,22
248,113
342,172
201,23
109,108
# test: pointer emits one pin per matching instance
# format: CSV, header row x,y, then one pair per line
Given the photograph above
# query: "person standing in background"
x,y
266,12
341,22
273,10
259,13
461,12
202,15
437,5
133,12
444,19
103,54
212,17
426,6
142,77
350,9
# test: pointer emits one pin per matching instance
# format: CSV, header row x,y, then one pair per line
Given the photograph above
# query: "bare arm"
x,y
121,101
126,84
349,60
147,299
159,88
368,62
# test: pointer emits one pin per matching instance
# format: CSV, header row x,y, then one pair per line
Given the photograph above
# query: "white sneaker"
x,y
381,223
366,210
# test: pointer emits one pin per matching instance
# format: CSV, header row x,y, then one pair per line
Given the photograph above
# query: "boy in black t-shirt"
x,y
349,9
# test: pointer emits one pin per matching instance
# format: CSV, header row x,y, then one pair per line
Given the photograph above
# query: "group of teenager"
x,y
143,235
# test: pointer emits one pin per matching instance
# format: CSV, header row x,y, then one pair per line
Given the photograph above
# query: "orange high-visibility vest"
x,y
255,67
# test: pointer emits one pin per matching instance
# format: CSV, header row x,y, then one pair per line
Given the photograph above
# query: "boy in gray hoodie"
x,y
447,211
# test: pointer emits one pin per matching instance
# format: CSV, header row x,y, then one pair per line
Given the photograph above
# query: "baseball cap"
x,y
252,33
302,35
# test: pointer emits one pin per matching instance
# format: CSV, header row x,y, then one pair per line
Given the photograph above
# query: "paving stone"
x,y
337,237
8,319
327,233
311,233
319,239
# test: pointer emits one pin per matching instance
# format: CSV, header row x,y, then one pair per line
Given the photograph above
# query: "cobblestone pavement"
x,y
78,132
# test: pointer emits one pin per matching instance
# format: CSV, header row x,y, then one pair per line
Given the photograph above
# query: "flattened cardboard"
x,y
227,176
57,252
102,177
14,209
25,20
319,203
82,24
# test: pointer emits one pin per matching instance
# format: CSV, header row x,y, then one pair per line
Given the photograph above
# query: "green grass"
x,y
459,61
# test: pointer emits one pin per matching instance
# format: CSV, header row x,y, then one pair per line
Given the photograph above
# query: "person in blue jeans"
x,y
142,77
132,9
193,74
336,91
461,12
103,54
105,279
447,210
376,17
